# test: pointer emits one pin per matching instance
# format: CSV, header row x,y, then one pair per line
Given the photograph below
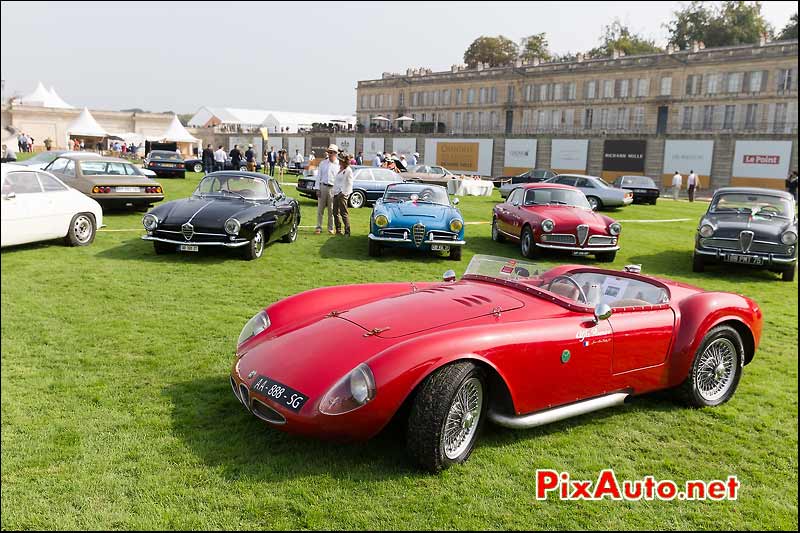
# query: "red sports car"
x,y
549,216
508,342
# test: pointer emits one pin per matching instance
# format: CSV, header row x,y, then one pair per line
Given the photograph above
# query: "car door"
x,y
642,338
284,209
364,180
508,213
58,201
24,211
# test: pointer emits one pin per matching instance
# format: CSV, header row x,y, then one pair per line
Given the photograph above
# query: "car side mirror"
x,y
456,201
450,275
10,196
602,312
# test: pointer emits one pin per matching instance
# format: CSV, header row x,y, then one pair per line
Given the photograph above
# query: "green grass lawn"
x,y
117,412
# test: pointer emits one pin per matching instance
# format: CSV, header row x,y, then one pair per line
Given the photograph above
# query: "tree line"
x,y
715,24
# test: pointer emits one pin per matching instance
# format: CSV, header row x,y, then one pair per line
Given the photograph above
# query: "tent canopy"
x,y
86,126
177,133
57,101
43,98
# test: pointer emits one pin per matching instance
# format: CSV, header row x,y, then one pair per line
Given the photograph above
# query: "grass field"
x,y
117,412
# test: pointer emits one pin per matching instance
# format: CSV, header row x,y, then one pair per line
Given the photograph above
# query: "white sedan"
x,y
37,206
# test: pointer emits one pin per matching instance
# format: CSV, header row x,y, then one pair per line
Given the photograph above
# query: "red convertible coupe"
x,y
548,216
509,342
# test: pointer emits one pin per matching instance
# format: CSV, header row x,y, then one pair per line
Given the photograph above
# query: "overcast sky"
x,y
291,56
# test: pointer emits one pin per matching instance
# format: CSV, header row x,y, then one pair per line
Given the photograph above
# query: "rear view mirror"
x,y
455,201
450,275
602,312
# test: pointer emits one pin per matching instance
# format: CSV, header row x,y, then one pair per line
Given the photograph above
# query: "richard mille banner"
x,y
623,157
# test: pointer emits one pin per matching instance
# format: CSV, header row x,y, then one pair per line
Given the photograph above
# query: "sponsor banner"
x,y
761,163
318,146
621,157
404,146
348,144
372,146
519,154
274,142
569,156
297,143
464,156
685,156
243,141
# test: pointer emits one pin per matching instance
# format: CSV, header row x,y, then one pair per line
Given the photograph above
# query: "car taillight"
x,y
152,163
179,165
100,189
155,190
106,189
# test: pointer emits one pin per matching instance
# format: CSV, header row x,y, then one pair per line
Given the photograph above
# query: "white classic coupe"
x,y
37,206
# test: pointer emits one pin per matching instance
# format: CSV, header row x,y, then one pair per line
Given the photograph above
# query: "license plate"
x,y
128,189
580,253
167,164
188,248
640,190
744,259
440,247
280,393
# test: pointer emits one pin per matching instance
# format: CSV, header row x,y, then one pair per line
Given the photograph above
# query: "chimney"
x,y
536,61
579,58
695,46
702,45
518,63
615,54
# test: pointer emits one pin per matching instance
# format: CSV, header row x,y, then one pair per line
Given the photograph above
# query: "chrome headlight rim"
x,y
548,225
381,221
233,226
789,237
706,231
353,391
257,323
456,225
150,222
615,228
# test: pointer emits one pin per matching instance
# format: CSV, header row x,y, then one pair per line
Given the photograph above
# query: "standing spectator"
x,y
272,158
236,157
360,158
219,158
208,159
377,161
342,189
99,147
402,164
48,144
298,160
135,149
11,151
81,145
30,143
76,145
791,184
326,175
691,184
21,143
282,162
412,159
124,149
250,157
677,182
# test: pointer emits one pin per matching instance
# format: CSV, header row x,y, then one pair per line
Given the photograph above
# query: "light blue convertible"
x,y
419,217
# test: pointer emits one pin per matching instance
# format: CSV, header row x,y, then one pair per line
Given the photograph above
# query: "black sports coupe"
x,y
749,226
243,210
165,164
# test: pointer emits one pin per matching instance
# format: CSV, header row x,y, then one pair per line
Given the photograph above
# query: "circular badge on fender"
x,y
565,355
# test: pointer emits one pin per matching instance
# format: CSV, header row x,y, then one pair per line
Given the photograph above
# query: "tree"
x,y
731,23
790,30
617,36
496,51
535,46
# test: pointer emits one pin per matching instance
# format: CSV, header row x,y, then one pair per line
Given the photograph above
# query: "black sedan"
x,y
749,226
166,164
229,209
644,189
369,184
196,165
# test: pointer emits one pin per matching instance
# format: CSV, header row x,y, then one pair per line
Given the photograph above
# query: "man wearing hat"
x,y
250,157
326,176
378,160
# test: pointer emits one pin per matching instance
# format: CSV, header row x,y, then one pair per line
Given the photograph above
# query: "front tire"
x,y
716,369
594,203
81,231
357,200
527,243
446,416
606,257
496,235
455,253
255,248
698,265
375,248
788,275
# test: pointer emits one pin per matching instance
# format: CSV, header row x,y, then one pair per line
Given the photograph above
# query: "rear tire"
x,y
198,167
606,257
594,203
527,243
788,275
496,235
375,248
82,230
446,416
357,200
292,235
653,202
455,253
716,369
698,264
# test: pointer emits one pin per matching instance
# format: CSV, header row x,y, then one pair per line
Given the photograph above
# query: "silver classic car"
x,y
599,193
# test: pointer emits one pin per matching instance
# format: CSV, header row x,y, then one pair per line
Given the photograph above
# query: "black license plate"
x,y
744,259
280,393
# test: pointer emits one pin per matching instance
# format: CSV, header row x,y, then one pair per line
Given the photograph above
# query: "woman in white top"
x,y
342,189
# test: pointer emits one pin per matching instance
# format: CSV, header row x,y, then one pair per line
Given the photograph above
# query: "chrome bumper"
x,y
410,241
769,259
170,241
590,250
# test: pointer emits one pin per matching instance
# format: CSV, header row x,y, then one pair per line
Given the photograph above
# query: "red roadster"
x,y
555,217
508,342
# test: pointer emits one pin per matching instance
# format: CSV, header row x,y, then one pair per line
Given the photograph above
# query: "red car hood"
x,y
566,217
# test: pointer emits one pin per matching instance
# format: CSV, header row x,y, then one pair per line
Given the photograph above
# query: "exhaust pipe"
x,y
558,413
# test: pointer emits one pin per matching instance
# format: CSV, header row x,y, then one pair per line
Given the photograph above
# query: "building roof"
x,y
263,117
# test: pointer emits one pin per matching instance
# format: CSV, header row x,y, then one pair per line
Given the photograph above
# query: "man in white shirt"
x,y
691,184
342,189
412,159
377,161
298,160
11,150
677,182
219,158
326,175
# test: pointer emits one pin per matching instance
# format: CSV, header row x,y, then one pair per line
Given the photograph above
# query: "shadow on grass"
x,y
139,250
667,262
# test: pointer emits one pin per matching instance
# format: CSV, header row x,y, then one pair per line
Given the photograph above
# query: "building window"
x,y
571,91
750,116
588,118
468,121
692,84
471,96
401,99
543,92
780,117
526,119
688,117
458,96
558,91
666,86
494,122
712,83
569,118
708,117
604,118
730,113
755,81
457,121
447,97
638,117
643,87
608,89
784,80
591,88
623,116
734,84
510,94
623,88
363,100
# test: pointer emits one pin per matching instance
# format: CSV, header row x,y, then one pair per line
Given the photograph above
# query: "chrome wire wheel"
x,y
83,229
716,369
462,419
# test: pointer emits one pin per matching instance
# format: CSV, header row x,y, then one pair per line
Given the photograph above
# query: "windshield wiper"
x,y
556,202
232,192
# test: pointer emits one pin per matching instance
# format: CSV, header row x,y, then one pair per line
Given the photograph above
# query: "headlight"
x,y
615,228
381,221
232,226
789,237
150,222
548,225
706,230
456,225
351,392
254,326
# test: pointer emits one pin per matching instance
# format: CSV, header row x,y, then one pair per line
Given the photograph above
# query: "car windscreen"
x,y
554,196
638,181
752,203
165,156
603,183
416,193
539,174
93,168
234,186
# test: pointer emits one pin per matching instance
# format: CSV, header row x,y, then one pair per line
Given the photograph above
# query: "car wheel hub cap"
x,y
83,229
258,243
715,370
462,419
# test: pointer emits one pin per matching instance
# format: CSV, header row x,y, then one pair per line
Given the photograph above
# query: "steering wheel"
x,y
768,209
581,294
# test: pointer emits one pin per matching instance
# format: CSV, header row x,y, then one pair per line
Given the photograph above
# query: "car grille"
x,y
419,233
395,233
235,391
559,238
196,237
442,236
244,395
582,232
187,230
303,184
267,413
760,247
602,240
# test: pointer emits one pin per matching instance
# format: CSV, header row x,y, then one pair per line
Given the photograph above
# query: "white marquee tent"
x,y
41,97
85,126
58,101
236,119
177,133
